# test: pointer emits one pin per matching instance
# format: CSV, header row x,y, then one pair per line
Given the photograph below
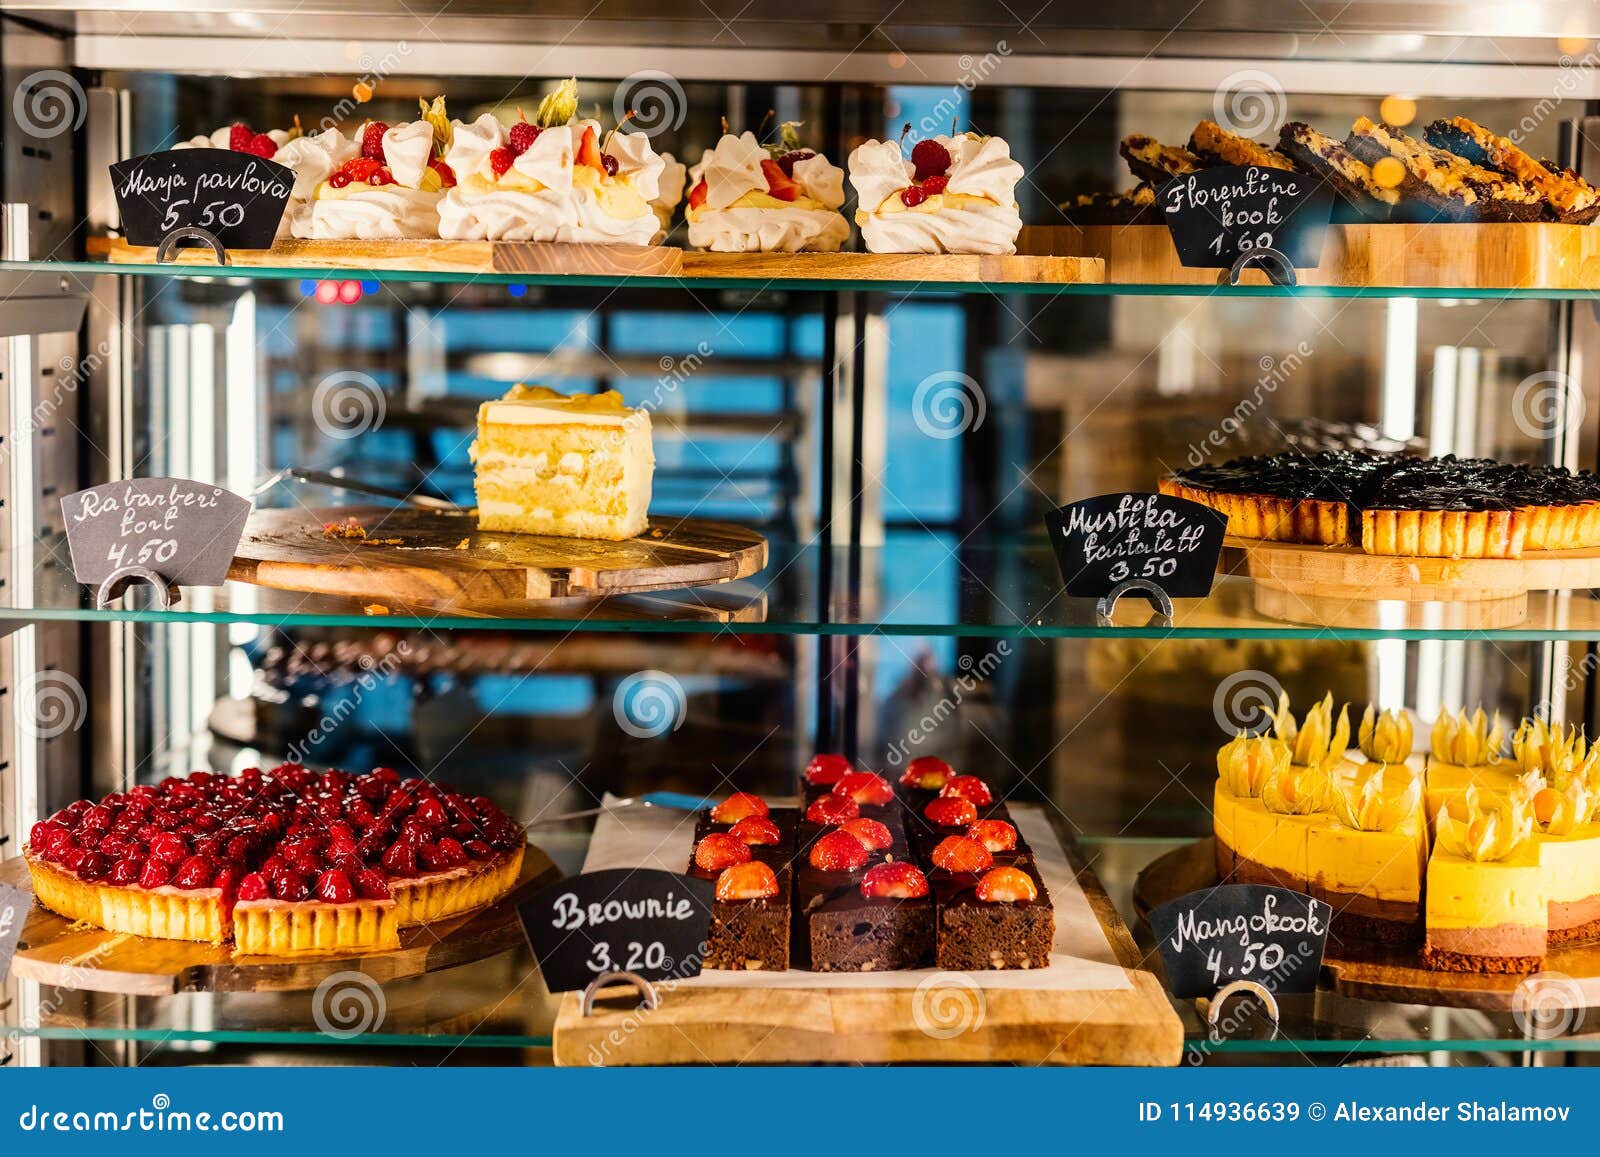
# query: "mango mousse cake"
x,y
578,466
1485,859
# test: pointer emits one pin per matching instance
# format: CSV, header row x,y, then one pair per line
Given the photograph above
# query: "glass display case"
x,y
892,437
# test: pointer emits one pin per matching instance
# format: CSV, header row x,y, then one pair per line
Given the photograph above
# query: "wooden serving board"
x,y
1377,971
782,1025
433,558
1339,585
531,257
1535,255
1050,269
58,952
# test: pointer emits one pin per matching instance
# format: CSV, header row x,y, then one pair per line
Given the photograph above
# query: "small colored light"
x,y
1398,110
516,290
308,288
327,292
369,287
349,292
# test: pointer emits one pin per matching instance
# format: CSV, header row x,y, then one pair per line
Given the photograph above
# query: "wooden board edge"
x,y
1538,239
1018,268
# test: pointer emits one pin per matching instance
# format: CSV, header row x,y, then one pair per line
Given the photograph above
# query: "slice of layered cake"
x,y
578,466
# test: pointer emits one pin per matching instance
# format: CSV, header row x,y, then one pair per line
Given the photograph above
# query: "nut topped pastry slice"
x,y
1352,178
1137,206
1568,197
1215,145
1450,185
1150,160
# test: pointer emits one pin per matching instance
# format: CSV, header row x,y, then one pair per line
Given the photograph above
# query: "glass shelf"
x,y
921,585
801,284
501,1004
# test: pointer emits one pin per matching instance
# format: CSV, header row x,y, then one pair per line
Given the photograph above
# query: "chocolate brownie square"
x,y
751,935
976,935
855,933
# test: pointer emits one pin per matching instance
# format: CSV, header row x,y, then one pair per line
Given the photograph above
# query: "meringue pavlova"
x,y
551,179
955,195
390,188
285,146
754,198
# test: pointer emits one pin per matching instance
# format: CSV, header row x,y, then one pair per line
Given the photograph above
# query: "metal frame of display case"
x,y
1062,47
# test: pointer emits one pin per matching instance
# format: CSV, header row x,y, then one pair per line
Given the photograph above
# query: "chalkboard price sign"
x,y
184,531
1272,936
14,904
1217,215
1103,542
239,197
653,924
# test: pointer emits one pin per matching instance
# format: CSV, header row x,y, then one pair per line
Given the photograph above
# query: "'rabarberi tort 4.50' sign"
x,y
169,532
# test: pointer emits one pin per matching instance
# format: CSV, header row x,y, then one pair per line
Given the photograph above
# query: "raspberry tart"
x,y
287,862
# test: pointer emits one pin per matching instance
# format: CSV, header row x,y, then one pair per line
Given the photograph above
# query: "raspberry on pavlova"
x,y
777,198
954,195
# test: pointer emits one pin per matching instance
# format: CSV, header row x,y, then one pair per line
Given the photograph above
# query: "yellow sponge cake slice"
x,y
576,466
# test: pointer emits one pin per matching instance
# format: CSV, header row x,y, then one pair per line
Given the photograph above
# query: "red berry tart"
x,y
287,862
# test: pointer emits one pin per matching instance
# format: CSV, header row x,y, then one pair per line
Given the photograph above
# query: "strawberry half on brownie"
x,y
745,848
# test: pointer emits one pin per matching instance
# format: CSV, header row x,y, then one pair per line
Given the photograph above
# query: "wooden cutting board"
x,y
532,257
1024,268
706,1025
431,558
1537,255
57,952
1380,971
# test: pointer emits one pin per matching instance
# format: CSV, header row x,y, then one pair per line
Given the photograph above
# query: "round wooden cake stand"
x,y
1377,971
56,951
429,557
1343,586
